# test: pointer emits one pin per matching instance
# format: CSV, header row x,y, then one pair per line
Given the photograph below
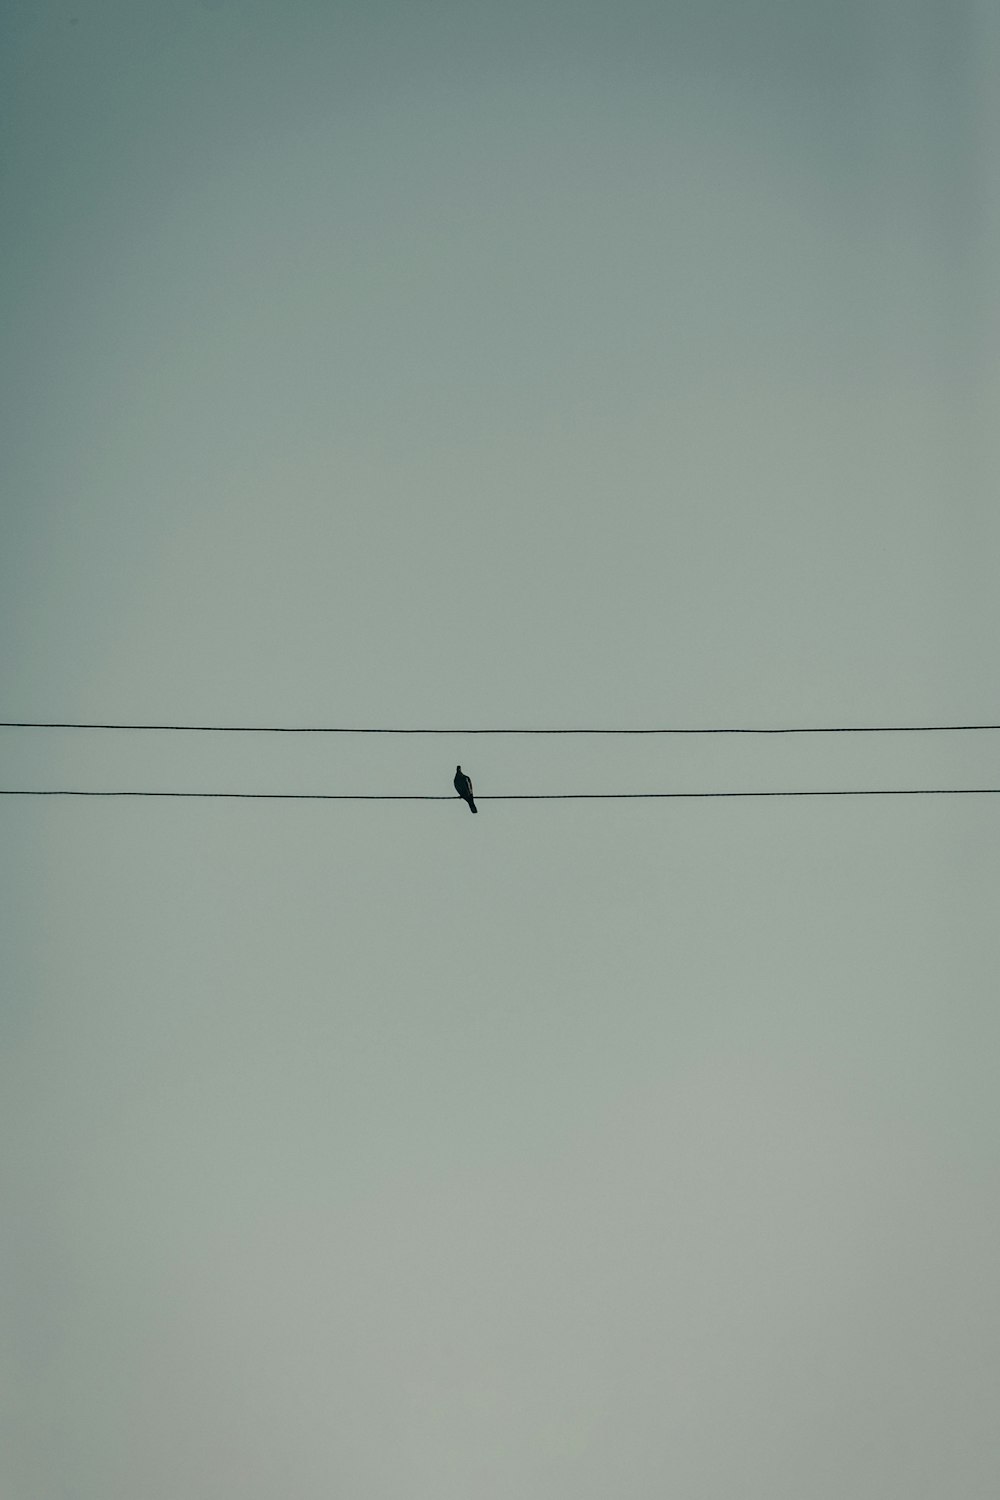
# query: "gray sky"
x,y
520,364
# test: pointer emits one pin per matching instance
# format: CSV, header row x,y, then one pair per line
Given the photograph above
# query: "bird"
x,y
463,787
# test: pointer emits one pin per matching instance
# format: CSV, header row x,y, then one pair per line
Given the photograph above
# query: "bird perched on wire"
x,y
463,787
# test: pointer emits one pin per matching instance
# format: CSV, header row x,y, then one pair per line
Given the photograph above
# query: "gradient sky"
x,y
514,364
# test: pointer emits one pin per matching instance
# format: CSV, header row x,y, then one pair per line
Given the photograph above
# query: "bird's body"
x,y
463,787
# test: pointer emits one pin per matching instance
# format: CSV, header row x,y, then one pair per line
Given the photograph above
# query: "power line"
x,y
916,791
328,729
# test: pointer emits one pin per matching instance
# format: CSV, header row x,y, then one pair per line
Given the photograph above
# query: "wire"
x,y
324,729
517,796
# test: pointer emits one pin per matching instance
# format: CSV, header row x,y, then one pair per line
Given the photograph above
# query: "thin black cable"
x,y
326,729
916,791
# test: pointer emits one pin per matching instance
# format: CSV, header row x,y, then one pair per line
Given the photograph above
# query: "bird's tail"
x,y
475,809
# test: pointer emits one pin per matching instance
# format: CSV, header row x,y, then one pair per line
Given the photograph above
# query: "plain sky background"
x,y
514,364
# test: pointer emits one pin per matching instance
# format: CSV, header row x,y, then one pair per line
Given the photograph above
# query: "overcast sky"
x,y
514,364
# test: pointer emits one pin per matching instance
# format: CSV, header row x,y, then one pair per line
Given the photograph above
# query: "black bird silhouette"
x,y
463,787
